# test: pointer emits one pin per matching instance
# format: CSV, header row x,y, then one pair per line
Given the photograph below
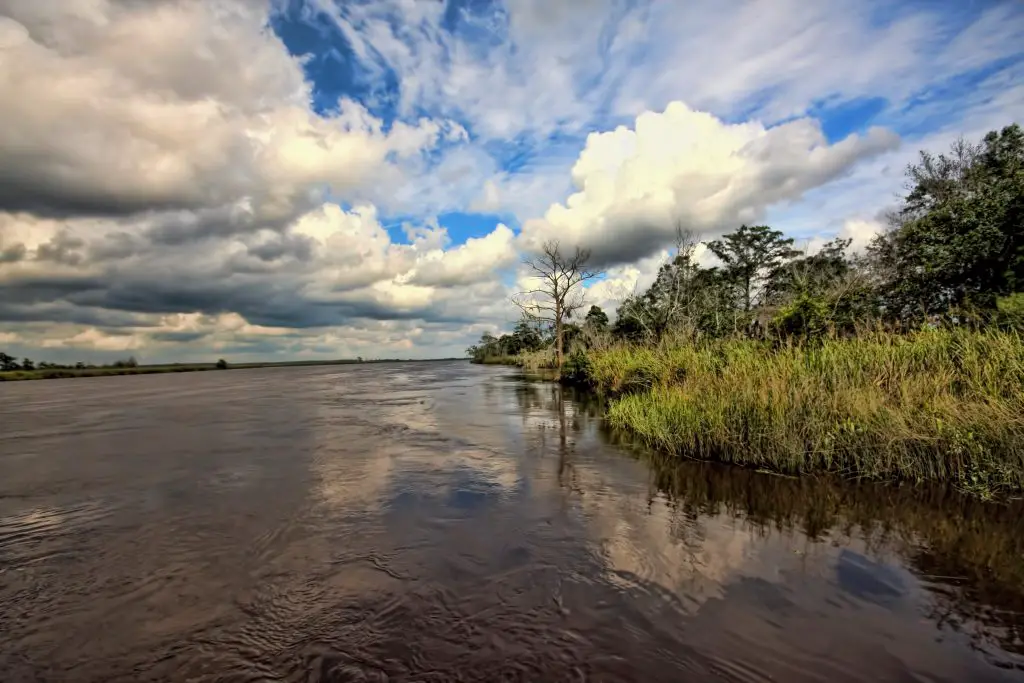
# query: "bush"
x,y
577,369
806,317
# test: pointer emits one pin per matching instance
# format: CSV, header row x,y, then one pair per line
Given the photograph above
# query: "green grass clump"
x,y
940,405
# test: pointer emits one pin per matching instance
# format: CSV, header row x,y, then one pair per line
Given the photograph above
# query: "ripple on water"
x,y
38,533
447,522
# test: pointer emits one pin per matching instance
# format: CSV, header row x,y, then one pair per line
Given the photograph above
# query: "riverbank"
x,y
945,406
496,360
68,373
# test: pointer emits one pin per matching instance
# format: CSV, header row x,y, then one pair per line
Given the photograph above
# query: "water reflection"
x,y
450,522
964,557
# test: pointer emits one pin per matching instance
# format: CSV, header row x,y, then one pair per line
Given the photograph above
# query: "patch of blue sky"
x,y
463,225
330,64
840,119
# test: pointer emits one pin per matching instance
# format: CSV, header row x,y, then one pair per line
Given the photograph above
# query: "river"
x,y
450,522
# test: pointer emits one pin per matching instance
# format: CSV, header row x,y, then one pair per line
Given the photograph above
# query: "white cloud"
x,y
730,57
113,107
687,168
479,258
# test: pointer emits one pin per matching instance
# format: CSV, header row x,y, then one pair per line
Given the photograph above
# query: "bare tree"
x,y
559,293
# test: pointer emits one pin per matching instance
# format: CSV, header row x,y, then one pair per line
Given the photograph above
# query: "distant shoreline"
x,y
71,373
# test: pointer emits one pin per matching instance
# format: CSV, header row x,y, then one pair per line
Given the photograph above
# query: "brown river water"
x,y
450,522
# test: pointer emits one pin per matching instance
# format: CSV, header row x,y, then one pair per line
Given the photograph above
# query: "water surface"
x,y
449,522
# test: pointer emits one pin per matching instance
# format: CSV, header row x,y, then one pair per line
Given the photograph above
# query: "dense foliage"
x,y
953,254
525,338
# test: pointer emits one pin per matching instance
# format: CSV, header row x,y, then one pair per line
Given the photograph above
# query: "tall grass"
x,y
943,405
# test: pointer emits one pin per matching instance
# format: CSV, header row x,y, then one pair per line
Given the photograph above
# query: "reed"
x,y
940,405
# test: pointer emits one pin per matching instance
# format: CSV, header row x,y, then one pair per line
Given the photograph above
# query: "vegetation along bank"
x,y
902,360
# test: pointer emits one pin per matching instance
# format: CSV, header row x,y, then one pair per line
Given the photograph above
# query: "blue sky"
x,y
324,178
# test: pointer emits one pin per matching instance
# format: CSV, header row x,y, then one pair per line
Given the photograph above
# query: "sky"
x,y
312,179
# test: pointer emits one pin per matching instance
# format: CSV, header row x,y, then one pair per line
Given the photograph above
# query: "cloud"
x,y
216,111
689,169
476,260
328,268
732,57
167,184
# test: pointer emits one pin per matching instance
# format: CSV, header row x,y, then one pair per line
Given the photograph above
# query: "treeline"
x,y
531,336
952,255
9,363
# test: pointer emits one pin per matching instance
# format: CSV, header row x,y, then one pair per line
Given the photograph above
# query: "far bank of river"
x,y
104,371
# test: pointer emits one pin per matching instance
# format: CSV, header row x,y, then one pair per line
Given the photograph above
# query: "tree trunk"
x,y
558,337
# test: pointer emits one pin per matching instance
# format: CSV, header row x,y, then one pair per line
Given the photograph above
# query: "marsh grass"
x,y
938,405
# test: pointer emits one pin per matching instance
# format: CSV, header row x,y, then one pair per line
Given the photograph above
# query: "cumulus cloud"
x,y
160,163
685,168
329,268
118,107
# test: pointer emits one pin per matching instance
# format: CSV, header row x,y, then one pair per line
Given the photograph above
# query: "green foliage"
x,y
577,369
527,337
805,317
943,405
222,364
954,256
596,319
684,299
958,241
750,255
1010,311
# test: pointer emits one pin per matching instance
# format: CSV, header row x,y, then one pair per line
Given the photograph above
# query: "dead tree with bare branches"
x,y
559,291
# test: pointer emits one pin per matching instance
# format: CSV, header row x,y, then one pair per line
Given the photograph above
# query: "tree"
x,y
27,364
750,255
8,363
596,319
526,337
813,274
222,364
684,298
559,292
668,303
958,239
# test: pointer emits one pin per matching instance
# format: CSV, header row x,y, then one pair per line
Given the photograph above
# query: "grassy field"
x,y
66,373
930,406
